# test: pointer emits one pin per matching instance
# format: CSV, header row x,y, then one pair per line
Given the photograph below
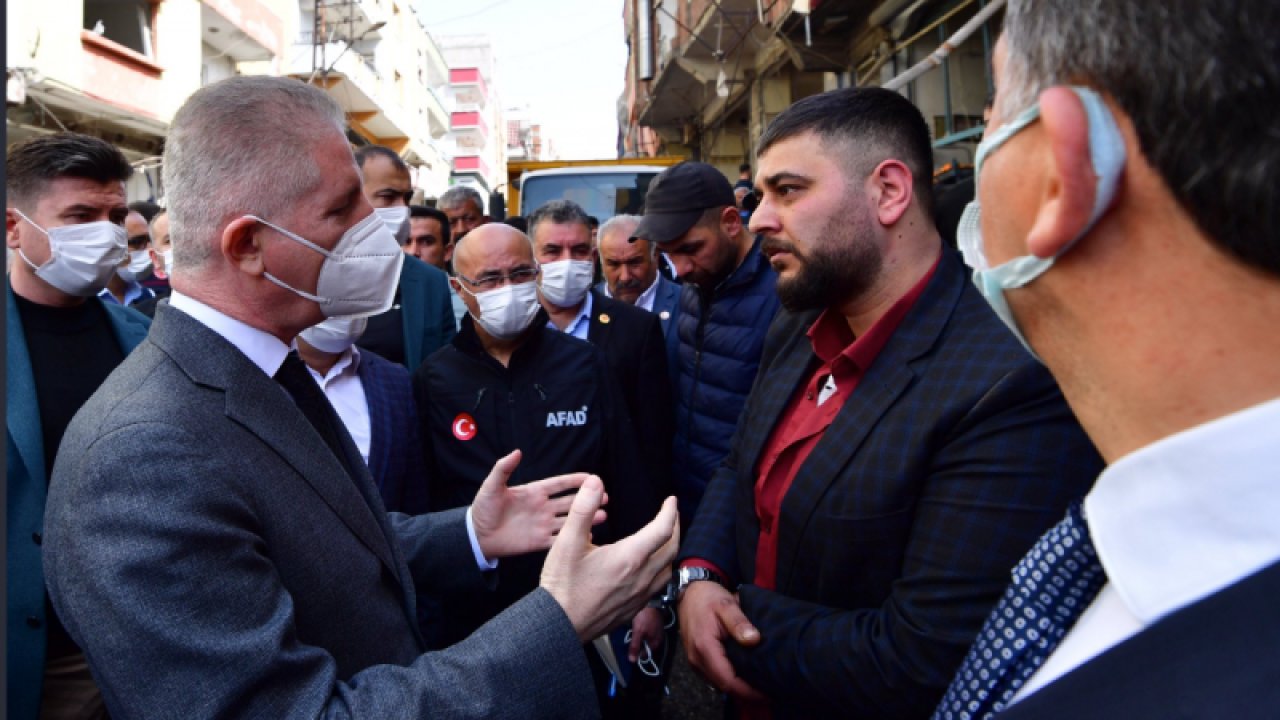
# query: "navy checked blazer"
x,y
896,538
395,445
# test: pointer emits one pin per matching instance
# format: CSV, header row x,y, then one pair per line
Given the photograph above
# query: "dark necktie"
x,y
307,395
1052,585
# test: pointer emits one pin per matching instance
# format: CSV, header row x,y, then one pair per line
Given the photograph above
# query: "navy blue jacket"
x,y
395,443
721,337
896,537
558,402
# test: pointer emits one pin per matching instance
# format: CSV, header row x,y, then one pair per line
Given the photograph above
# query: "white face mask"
x,y
506,312
359,276
139,261
167,258
566,282
82,258
397,221
335,334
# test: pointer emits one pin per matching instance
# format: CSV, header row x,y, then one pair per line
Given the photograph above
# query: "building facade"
x,y
478,133
704,78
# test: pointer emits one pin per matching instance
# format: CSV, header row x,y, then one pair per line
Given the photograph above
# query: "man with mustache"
x,y
898,452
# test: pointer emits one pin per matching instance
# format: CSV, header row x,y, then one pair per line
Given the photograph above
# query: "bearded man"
x,y
898,452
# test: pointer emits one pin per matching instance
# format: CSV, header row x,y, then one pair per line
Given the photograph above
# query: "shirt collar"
x,y
1190,514
262,348
584,315
645,301
832,339
347,364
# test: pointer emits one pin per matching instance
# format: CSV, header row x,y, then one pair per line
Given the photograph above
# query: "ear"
x,y
1067,199
457,286
730,220
893,179
448,252
240,246
11,221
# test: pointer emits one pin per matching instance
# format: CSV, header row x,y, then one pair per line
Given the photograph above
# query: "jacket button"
x,y
33,621
37,538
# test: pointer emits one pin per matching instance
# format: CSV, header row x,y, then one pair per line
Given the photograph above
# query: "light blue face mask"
x,y
1107,154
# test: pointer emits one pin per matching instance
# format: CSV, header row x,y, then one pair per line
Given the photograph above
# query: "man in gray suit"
x,y
212,540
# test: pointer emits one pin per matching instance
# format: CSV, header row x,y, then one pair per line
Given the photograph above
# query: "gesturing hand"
x,y
517,520
709,615
600,587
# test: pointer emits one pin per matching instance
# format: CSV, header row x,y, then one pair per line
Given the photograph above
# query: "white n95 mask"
x,y
1107,156
506,312
397,221
82,258
359,276
566,282
335,334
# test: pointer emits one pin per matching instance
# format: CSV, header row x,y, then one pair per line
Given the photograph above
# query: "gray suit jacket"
x,y
213,559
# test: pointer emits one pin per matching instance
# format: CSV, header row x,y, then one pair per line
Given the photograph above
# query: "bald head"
x,y
495,247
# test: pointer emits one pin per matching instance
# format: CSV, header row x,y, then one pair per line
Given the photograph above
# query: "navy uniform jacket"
x,y
559,404
27,479
896,538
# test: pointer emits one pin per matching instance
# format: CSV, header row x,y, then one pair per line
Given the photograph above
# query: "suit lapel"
x,y
263,407
597,331
880,387
413,303
21,408
378,430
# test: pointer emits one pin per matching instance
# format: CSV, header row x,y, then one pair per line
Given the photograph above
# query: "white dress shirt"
x,y
581,322
267,352
1173,523
345,391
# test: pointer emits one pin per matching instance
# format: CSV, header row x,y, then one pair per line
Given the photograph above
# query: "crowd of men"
x,y
292,447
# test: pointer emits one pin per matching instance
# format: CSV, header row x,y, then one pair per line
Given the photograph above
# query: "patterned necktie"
x,y
1051,586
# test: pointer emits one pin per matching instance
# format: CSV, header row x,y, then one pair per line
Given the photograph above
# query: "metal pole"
x,y
948,119
937,56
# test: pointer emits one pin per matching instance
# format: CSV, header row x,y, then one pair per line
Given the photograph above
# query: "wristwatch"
x,y
688,575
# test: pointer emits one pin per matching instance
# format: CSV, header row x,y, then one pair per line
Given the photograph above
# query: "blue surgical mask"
x,y
1107,154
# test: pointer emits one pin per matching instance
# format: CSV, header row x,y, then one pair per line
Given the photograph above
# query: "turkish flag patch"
x,y
464,427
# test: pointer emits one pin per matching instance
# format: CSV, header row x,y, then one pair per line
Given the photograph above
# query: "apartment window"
x,y
126,22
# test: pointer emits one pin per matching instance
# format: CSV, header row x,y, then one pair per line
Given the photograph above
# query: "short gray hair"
x,y
240,147
619,223
1200,82
559,212
459,194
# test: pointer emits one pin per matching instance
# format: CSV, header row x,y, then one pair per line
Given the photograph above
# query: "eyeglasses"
x,y
489,281
139,241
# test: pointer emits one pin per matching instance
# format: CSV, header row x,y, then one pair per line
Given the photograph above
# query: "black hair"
x,y
32,164
368,152
422,211
873,124
558,212
146,209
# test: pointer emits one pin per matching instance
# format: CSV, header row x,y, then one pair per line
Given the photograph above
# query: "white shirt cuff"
x,y
482,562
